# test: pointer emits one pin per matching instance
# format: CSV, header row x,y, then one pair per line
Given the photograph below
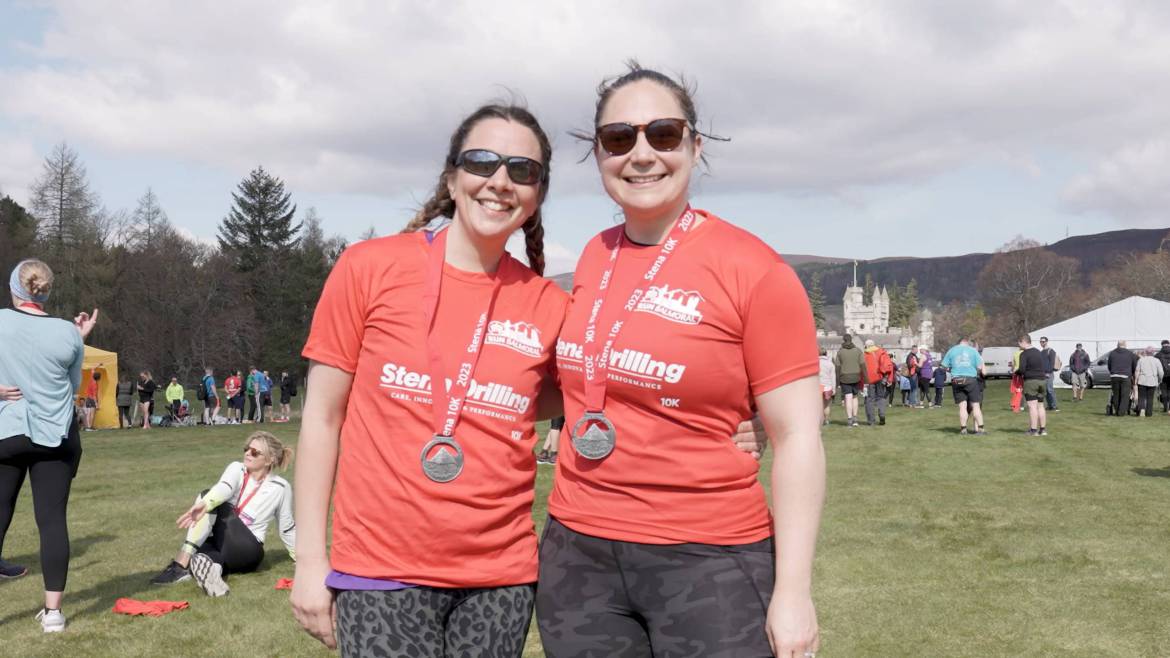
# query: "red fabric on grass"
x,y
284,583
149,608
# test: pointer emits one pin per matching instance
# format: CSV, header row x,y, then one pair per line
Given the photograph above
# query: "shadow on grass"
x,y
77,548
1152,472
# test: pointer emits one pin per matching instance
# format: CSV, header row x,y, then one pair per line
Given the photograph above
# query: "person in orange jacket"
x,y
1017,385
879,373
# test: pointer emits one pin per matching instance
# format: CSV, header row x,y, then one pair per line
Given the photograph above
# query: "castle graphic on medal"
x,y
439,463
598,438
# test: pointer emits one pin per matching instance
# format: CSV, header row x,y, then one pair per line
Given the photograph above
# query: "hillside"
x,y
950,278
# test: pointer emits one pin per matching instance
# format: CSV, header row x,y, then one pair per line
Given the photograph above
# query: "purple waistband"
x,y
338,580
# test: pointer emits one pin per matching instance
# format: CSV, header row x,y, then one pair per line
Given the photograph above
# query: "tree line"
x,y
169,303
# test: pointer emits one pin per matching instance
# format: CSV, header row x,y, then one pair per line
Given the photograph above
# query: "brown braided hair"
x,y
441,203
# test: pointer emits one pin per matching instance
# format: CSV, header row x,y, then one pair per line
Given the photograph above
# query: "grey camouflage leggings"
x,y
432,622
601,598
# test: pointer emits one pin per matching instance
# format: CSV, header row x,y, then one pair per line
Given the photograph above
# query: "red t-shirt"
x,y
389,520
231,386
91,390
726,318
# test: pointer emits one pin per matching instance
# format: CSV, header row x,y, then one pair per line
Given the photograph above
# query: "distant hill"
x,y
802,259
949,278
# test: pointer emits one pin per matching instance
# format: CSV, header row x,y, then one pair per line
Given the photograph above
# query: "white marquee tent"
x,y
1140,321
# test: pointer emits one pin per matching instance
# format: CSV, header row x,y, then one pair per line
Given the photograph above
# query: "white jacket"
x,y
1149,371
272,501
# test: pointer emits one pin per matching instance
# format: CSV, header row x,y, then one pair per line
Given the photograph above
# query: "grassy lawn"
x,y
932,544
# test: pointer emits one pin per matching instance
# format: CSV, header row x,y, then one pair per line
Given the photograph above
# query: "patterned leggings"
x,y
426,622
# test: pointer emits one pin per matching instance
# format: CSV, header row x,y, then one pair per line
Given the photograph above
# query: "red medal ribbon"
x,y
446,405
39,307
597,360
240,504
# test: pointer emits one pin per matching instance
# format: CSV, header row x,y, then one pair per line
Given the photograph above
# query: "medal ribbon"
x,y
447,405
33,305
240,504
597,355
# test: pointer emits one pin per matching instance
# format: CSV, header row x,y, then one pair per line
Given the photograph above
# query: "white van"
x,y
998,361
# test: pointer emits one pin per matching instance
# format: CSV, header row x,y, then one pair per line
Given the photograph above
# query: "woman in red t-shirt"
x,y
661,541
432,530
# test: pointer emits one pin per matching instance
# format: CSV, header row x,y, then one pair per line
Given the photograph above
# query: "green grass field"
x,y
932,544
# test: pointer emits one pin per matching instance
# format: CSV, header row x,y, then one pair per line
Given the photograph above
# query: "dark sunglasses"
x,y
482,162
252,452
661,135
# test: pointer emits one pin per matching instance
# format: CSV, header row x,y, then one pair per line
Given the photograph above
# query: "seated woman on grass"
x,y
228,522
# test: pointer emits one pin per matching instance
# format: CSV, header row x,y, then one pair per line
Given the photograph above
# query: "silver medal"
x,y
444,465
598,439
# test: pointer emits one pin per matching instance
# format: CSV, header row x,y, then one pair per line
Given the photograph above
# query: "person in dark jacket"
x,y
1122,365
1163,355
1078,366
1032,369
850,363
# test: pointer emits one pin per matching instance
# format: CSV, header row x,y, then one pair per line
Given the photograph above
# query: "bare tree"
x,y
61,198
1025,289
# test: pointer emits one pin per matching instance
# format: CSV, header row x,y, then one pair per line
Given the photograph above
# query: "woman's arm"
x,y
287,525
791,417
316,467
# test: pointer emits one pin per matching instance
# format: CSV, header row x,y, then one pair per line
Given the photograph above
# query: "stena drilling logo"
x,y
676,305
629,365
522,337
485,398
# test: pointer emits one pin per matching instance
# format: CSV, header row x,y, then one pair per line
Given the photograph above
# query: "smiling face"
x,y
493,208
646,183
256,456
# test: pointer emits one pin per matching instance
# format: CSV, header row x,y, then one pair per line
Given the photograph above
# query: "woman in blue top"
x,y
38,432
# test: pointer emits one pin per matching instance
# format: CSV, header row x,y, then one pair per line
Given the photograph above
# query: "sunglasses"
x,y
482,162
661,135
252,452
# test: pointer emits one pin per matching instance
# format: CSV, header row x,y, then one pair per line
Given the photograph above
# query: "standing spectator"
x,y
251,390
265,396
1032,369
940,382
124,397
912,374
146,389
965,365
1078,366
92,399
1052,362
878,370
1122,366
38,429
233,391
288,390
850,364
828,379
1017,384
548,451
925,374
174,395
211,397
1148,374
1164,393
904,387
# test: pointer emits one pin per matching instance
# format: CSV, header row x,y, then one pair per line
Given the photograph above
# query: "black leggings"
x,y
599,597
52,471
124,417
231,544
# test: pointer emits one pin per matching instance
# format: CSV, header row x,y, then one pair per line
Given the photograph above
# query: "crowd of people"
x,y
253,392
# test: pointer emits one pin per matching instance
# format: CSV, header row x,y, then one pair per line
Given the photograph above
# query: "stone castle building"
x,y
872,321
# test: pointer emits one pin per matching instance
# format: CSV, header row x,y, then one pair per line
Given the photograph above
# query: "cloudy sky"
x,y
858,129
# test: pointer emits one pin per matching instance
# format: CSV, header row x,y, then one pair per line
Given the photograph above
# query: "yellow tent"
x,y
107,364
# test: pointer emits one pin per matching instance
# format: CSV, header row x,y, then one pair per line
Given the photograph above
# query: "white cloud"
x,y
819,97
558,258
20,163
1133,183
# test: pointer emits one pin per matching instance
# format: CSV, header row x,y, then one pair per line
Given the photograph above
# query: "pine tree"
x,y
61,199
867,290
149,223
18,231
259,227
896,307
909,298
816,298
